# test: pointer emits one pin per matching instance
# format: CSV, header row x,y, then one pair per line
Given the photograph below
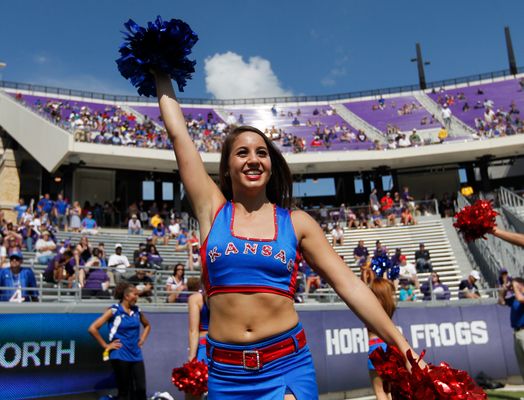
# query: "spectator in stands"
x,y
182,241
75,213
134,226
434,287
423,259
118,263
153,257
96,281
160,232
61,211
403,141
45,204
337,235
505,285
351,219
20,209
143,284
408,271
313,280
45,248
29,235
176,283
156,218
3,253
61,268
406,218
374,204
89,225
174,228
406,292
11,235
386,202
442,134
446,115
360,251
376,219
516,302
19,280
468,287
395,258
414,138
136,254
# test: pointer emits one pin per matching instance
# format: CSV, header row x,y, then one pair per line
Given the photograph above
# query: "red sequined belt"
x,y
254,359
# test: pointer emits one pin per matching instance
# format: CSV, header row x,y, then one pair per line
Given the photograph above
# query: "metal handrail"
x,y
263,100
510,199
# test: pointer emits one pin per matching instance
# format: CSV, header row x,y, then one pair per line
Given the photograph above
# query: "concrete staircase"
x,y
358,123
458,128
429,230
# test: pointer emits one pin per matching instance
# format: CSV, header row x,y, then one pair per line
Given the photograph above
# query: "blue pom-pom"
x,y
163,46
393,272
380,264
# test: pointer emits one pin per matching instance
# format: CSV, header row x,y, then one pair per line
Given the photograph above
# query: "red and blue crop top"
x,y
234,264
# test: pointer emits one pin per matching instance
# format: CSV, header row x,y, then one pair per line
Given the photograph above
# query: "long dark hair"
x,y
279,189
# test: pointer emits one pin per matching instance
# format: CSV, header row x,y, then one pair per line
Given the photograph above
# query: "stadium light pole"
x,y
420,66
511,53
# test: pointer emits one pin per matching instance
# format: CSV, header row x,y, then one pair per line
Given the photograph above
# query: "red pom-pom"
x,y
430,383
476,220
191,377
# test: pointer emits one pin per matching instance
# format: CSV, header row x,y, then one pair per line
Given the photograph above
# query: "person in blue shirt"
x,y
61,210
20,210
45,204
160,232
89,225
124,348
18,279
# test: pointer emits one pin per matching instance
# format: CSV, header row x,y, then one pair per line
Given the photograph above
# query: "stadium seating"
x,y
404,112
502,93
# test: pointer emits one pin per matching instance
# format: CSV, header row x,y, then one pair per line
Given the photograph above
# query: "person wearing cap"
x,y
134,226
45,248
89,225
468,287
18,280
423,259
182,241
118,263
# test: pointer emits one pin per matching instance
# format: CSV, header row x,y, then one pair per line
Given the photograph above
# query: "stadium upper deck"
x,y
307,125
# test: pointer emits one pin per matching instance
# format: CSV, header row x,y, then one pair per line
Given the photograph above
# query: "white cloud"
x,y
229,77
40,59
338,71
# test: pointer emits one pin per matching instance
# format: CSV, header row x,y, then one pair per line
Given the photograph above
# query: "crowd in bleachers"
x,y
497,119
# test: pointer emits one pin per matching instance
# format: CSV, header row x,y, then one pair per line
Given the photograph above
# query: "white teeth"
x,y
253,173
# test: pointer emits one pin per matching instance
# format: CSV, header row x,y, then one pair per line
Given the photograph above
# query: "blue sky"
x,y
251,48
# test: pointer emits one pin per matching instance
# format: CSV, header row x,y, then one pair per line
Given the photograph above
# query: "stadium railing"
x,y
263,100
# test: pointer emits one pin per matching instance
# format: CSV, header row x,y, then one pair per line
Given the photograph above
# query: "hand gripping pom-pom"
x,y
162,46
191,377
434,382
476,220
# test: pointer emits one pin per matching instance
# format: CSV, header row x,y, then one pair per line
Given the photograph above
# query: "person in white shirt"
x,y
338,235
134,227
174,228
45,248
118,262
404,141
408,271
446,116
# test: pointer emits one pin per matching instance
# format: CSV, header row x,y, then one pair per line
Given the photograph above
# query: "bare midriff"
x,y
240,318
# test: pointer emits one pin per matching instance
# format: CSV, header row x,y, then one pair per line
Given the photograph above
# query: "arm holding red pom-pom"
x,y
511,237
